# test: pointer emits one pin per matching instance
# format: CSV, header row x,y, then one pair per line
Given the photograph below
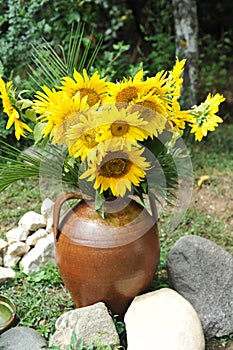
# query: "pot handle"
x,y
57,209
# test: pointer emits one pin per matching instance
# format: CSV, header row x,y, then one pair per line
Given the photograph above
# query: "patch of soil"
x,y
215,197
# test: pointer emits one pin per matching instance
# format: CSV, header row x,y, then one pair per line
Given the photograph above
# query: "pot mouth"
x,y
7,312
124,222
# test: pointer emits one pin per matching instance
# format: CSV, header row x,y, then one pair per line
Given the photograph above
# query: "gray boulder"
x,y
202,272
22,338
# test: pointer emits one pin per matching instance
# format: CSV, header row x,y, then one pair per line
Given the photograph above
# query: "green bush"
x,y
215,62
24,23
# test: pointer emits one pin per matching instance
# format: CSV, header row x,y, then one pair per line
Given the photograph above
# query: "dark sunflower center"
x,y
92,96
116,168
119,128
148,104
88,139
127,95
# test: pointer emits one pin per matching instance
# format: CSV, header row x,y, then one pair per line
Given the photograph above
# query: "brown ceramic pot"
x,y
111,259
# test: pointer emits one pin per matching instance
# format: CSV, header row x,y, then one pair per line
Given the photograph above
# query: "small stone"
x,y
22,338
18,249
164,320
91,324
38,256
6,274
17,234
34,238
32,221
47,208
10,261
3,245
49,227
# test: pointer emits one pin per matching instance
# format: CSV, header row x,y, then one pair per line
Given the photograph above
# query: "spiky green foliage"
x,y
51,64
49,163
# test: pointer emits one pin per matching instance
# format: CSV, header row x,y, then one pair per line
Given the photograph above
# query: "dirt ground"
x,y
215,197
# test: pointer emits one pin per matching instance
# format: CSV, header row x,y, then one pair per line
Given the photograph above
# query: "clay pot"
x,y
109,259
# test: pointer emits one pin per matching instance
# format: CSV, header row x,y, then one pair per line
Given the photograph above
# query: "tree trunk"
x,y
186,31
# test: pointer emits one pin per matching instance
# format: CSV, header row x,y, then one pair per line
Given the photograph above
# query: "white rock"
x,y
18,249
32,221
10,261
3,245
49,227
38,256
47,208
17,234
164,320
34,238
6,274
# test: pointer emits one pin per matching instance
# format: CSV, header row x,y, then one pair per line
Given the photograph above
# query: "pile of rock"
x,y
197,306
30,244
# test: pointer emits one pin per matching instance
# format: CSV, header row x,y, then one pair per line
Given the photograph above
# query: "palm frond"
x,y
16,165
50,66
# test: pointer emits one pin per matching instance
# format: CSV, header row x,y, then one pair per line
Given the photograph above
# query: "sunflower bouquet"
x,y
118,138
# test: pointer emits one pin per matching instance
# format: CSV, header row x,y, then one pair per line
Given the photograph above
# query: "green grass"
x,y
212,157
17,199
41,297
214,152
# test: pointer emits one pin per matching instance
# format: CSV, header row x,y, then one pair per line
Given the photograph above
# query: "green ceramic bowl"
x,y
7,313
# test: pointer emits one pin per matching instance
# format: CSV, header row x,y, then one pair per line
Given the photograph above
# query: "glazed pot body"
x,y
109,259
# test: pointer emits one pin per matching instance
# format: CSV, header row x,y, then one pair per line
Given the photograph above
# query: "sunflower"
x,y
82,137
204,116
121,124
127,90
167,85
44,100
158,85
94,87
58,111
176,120
152,110
44,104
175,78
118,169
9,107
